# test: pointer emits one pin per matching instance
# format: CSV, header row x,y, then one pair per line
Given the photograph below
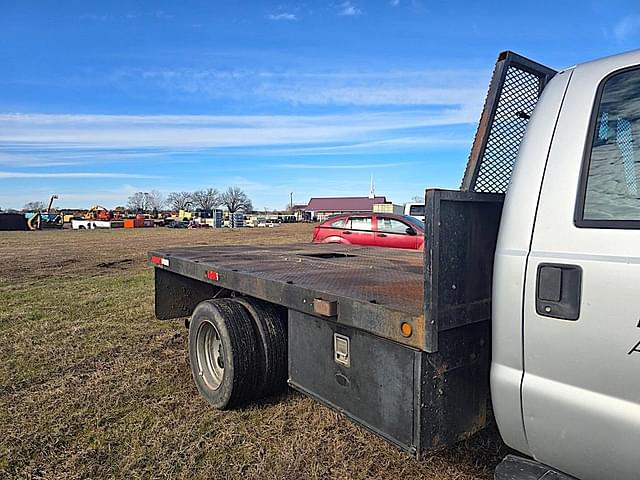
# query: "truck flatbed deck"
x,y
392,279
388,284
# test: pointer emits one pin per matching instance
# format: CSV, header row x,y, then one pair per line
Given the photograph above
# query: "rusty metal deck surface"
x,y
391,278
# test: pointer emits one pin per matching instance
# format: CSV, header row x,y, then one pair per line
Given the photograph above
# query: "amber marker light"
x,y
406,329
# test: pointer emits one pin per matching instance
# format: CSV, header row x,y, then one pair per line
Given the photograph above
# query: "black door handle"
x,y
346,232
558,291
381,235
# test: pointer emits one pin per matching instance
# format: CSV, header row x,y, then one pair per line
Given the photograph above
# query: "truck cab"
x,y
565,322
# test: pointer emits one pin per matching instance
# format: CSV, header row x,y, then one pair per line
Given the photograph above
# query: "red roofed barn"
x,y
322,208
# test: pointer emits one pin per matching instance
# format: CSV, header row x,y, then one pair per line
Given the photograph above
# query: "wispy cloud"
x,y
98,17
394,3
341,166
29,141
34,161
348,9
108,17
282,16
37,131
627,28
399,144
72,175
380,95
161,14
399,87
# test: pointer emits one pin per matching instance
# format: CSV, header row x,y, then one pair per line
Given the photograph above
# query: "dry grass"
x,y
92,386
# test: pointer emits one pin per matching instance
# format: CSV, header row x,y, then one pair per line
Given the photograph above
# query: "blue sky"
x,y
102,99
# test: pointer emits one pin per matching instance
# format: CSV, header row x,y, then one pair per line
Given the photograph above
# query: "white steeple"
x,y
372,193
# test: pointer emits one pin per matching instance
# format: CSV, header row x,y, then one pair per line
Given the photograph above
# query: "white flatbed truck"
x,y
86,224
529,295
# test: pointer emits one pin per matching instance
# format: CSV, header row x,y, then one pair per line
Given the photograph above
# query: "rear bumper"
x,y
519,468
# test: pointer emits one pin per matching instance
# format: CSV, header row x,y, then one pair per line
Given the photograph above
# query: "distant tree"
x,y
417,199
155,200
34,206
137,202
180,200
235,199
206,199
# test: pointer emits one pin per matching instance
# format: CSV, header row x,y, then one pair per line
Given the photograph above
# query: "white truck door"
x,y
581,386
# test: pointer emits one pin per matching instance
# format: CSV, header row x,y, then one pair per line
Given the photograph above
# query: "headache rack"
x,y
515,88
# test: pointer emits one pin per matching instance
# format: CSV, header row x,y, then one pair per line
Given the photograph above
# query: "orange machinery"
x,y
139,222
98,212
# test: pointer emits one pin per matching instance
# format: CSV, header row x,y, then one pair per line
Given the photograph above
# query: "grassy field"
x,y
92,386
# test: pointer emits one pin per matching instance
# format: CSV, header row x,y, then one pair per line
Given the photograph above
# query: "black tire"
x,y
225,376
272,345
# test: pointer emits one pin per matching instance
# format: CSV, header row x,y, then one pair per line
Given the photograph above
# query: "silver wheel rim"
x,y
210,355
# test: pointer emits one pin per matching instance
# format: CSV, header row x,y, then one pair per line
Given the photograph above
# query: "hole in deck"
x,y
327,255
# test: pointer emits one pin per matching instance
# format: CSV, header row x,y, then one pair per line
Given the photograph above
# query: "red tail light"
x,y
316,231
160,261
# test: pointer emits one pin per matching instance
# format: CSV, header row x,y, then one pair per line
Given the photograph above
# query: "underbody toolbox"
x,y
414,399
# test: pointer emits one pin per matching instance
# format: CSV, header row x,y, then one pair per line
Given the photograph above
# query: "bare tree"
x,y
417,199
137,201
206,199
180,200
155,200
235,199
34,206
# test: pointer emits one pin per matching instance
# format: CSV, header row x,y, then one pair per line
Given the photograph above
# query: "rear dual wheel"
x,y
237,350
222,352
271,337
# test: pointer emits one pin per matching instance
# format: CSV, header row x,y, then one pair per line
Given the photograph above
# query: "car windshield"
x,y
415,222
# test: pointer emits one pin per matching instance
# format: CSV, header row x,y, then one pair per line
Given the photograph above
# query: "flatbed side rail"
x,y
182,282
516,86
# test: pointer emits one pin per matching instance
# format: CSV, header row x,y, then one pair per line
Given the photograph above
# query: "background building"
x,y
320,208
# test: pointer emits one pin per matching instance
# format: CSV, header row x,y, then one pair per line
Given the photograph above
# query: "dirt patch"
x,y
117,263
74,253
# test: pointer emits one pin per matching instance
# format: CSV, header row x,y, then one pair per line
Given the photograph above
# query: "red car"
x,y
372,229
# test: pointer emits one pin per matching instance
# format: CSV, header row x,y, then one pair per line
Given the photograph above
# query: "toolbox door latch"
x,y
341,347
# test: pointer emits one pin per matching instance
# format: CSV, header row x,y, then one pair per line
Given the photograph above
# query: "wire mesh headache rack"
x,y
515,88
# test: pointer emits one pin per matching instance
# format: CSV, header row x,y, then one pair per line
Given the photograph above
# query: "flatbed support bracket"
x,y
326,308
